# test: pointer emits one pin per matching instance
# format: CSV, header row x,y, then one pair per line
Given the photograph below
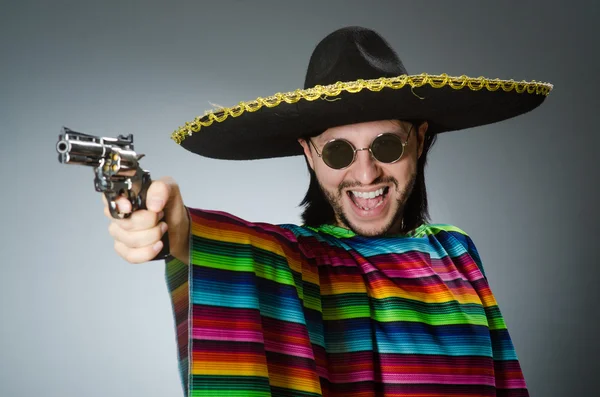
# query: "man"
x,y
366,298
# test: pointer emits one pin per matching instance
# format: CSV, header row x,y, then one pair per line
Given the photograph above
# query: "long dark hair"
x,y
318,211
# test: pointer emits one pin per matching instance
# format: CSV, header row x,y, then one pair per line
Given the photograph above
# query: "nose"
x,y
365,168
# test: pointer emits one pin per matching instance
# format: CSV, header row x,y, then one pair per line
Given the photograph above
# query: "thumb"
x,y
164,195
159,193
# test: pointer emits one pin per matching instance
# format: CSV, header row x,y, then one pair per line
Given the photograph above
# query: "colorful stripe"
x,y
267,310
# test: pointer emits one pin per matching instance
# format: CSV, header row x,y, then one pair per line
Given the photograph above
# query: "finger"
x,y
137,239
122,203
139,220
138,255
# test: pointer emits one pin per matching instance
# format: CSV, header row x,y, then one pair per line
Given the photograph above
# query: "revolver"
x,y
116,169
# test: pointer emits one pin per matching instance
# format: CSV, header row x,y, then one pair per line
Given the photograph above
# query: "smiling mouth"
x,y
368,201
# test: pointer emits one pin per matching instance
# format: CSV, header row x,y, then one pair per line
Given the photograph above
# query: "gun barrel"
x,y
79,152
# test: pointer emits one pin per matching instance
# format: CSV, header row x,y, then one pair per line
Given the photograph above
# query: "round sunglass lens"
x,y
387,148
338,154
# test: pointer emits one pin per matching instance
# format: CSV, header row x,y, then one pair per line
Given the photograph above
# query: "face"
x,y
368,197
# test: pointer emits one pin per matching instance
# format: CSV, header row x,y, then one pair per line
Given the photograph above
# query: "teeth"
x,y
368,194
369,209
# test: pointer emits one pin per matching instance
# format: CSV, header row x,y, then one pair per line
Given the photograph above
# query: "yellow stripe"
x,y
229,369
309,385
397,292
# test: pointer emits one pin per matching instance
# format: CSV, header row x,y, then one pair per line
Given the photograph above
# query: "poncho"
x,y
285,310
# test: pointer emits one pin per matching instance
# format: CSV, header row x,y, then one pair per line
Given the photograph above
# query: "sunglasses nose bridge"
x,y
368,149
362,150
366,169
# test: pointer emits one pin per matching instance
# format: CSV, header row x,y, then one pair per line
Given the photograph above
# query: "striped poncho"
x,y
265,310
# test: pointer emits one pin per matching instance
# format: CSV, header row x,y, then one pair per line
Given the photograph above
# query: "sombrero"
x,y
354,76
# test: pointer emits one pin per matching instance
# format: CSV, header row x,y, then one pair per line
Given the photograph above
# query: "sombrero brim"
x,y
269,127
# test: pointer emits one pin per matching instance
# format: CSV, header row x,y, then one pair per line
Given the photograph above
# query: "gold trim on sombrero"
x,y
333,90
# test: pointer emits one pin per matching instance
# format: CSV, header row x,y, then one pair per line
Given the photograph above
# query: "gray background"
x,y
77,320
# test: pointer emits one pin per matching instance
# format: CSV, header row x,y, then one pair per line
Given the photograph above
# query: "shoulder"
x,y
435,228
223,225
453,239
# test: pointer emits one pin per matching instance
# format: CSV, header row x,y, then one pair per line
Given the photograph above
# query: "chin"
x,y
369,229
385,219
387,224
368,232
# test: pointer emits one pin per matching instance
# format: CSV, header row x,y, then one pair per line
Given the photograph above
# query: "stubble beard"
x,y
395,222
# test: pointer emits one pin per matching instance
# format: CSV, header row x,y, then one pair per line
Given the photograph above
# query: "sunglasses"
x,y
339,153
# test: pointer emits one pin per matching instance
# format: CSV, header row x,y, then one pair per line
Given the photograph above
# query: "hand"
x,y
138,238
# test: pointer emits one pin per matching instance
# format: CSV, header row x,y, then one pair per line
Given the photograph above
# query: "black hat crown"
x,y
350,54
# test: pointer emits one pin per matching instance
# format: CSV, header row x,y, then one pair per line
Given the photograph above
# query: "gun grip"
x,y
165,251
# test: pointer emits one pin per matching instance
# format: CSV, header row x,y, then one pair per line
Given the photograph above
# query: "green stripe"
x,y
237,250
226,382
496,321
176,273
252,265
395,303
433,229
229,393
384,315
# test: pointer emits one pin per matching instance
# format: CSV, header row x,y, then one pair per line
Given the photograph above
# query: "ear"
x,y
421,137
307,152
